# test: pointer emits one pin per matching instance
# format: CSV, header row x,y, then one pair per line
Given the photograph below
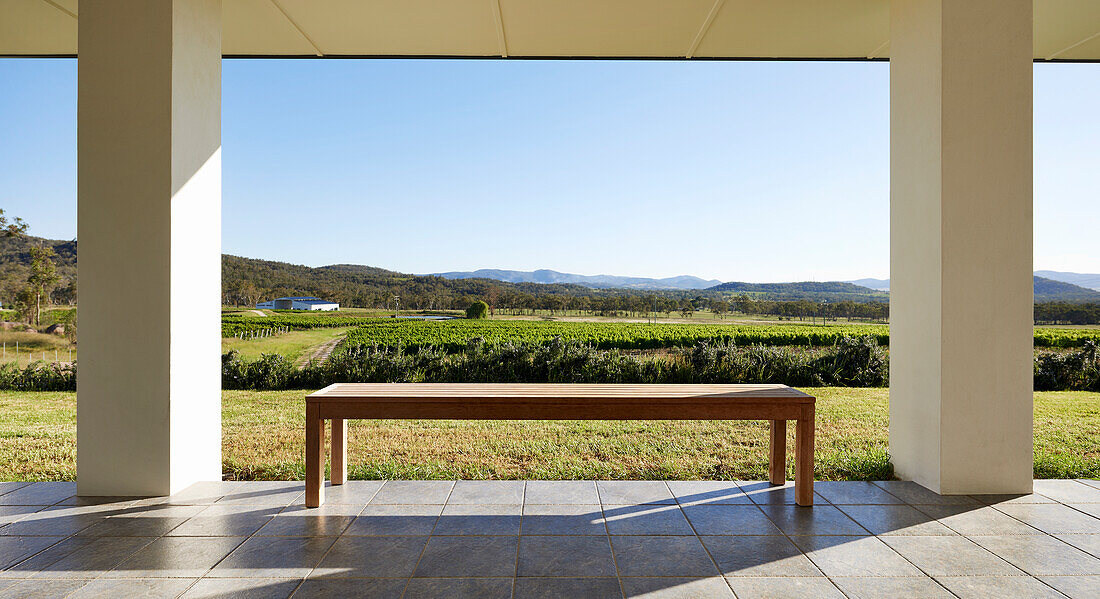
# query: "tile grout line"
x,y
519,537
695,535
610,545
420,556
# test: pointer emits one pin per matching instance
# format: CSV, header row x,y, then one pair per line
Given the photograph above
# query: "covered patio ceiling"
x,y
1064,30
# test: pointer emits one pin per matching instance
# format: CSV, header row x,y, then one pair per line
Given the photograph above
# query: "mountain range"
x,y
593,281
1088,281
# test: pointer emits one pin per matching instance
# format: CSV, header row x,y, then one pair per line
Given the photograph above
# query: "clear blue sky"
x,y
767,171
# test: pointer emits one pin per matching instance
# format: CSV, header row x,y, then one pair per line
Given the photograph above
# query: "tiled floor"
x,y
573,539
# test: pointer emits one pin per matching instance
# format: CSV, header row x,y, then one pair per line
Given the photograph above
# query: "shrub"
x,y
37,376
478,309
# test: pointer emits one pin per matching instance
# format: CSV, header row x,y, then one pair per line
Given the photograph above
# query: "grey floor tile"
x,y
92,558
818,520
1075,587
563,519
115,502
395,520
950,556
914,494
16,549
977,520
371,557
176,557
784,588
41,589
154,588
225,521
759,556
662,556
984,587
42,493
895,520
242,588
487,492
729,520
1009,499
41,557
15,513
1067,491
436,588
702,492
448,557
413,492
55,521
463,519
911,587
324,521
765,493
273,557
200,493
1086,543
1092,509
574,588
854,493
1041,555
352,492
270,493
9,486
1050,518
351,588
565,556
146,521
561,492
854,556
648,519
1090,482
677,588
630,492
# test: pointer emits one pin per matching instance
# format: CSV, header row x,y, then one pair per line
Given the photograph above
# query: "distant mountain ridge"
x,y
1087,280
1060,287
594,281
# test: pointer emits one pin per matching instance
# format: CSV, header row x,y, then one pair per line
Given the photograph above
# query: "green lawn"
x,y
263,439
291,345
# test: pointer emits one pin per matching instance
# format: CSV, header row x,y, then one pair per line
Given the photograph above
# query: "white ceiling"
x,y
1064,29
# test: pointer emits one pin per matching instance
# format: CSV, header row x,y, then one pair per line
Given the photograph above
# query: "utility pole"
x,y
396,306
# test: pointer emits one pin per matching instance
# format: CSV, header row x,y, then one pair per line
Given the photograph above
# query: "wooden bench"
x,y
515,401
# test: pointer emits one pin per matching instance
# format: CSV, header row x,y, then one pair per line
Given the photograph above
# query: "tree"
x,y
43,278
478,309
14,228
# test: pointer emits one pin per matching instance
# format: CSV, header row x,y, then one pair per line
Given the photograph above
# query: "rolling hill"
x,y
594,281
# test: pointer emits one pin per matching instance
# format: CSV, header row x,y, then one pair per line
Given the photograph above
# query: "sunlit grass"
x,y
263,439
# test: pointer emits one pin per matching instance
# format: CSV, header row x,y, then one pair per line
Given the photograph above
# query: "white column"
x,y
961,244
149,211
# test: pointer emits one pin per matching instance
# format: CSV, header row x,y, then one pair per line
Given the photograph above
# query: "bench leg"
x,y
315,457
804,458
777,455
339,451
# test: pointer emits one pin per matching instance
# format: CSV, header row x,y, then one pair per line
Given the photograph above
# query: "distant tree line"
x,y
1066,313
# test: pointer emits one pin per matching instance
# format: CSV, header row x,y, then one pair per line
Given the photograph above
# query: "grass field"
x,y
32,345
263,439
291,344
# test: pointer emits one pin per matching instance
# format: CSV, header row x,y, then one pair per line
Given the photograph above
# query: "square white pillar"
x,y
149,225
961,304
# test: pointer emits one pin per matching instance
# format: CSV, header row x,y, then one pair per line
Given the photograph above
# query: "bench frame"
x,y
341,402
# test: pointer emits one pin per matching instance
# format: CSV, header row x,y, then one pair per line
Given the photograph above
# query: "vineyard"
x,y
233,325
453,335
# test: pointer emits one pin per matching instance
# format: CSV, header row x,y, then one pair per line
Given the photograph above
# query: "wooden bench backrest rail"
x,y
520,401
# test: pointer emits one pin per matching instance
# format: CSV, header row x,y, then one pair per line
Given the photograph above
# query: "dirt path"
x,y
320,353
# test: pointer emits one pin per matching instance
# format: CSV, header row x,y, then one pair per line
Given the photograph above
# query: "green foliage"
x,y
452,335
478,309
233,324
1078,370
37,376
852,362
